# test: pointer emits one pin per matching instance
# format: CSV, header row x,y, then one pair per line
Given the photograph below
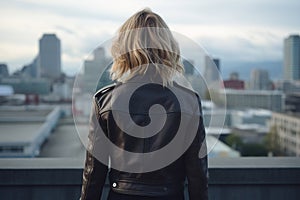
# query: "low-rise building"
x,y
265,99
250,116
287,127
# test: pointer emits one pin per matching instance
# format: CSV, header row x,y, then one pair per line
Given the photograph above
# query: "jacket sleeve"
x,y
94,173
196,164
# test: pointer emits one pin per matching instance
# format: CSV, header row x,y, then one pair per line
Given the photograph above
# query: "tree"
x,y
246,149
207,95
254,149
234,141
271,141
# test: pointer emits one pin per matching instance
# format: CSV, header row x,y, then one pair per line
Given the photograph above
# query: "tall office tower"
x,y
212,69
50,56
188,66
259,80
3,70
96,74
292,58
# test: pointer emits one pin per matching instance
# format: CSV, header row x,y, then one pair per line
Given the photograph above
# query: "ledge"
x,y
230,178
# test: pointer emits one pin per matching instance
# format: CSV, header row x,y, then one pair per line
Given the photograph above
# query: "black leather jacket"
x,y
168,180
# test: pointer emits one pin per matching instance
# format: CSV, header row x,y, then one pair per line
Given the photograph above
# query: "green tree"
x,y
254,149
234,141
207,95
271,141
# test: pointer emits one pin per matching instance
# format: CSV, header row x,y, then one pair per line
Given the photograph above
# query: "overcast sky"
x,y
232,30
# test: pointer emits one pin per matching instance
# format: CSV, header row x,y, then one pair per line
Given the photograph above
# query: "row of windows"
x,y
291,123
289,130
11,149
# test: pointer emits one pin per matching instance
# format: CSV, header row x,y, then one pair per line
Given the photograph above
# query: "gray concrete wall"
x,y
230,179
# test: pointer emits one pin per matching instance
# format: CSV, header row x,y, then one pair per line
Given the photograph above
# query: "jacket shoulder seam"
x,y
104,90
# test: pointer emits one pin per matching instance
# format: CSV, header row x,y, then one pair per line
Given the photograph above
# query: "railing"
x,y
230,178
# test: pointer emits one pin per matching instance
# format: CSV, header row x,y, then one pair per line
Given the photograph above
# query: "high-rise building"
x,y
212,70
3,70
96,74
288,86
292,103
292,58
188,66
32,69
259,80
50,56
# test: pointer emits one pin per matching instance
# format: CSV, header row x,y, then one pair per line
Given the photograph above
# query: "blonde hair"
x,y
142,40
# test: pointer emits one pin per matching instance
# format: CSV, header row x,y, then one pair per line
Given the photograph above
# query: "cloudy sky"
x,y
236,31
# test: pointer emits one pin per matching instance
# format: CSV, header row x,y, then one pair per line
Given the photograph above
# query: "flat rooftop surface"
x,y
19,132
24,113
63,142
16,115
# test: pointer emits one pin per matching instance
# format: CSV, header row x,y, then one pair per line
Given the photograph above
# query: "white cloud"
x,y
232,29
240,43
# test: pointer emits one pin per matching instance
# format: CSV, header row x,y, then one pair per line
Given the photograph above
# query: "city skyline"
x,y
231,32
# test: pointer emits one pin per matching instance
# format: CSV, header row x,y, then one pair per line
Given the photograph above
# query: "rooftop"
x,y
20,133
254,112
24,130
289,114
256,127
63,142
251,92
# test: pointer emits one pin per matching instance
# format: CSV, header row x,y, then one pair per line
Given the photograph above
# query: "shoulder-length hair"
x,y
142,40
